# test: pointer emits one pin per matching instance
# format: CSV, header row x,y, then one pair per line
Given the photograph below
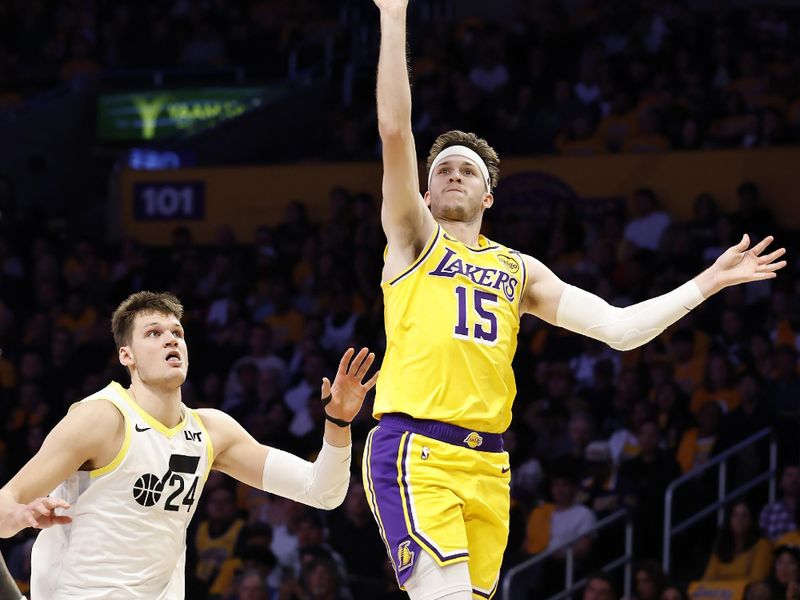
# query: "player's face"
x,y
458,191
157,353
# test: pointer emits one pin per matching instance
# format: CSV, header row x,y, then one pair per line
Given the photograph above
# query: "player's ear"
x,y
488,200
125,356
427,199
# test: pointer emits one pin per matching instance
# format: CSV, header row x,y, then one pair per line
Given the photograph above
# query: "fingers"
x,y
773,267
762,260
30,520
357,361
362,370
760,246
62,520
343,364
742,246
41,512
372,381
51,503
326,387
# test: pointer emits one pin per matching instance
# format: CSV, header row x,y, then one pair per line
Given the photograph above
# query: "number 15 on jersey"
x,y
475,303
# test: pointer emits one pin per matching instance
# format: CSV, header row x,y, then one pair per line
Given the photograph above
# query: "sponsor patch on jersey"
x,y
509,262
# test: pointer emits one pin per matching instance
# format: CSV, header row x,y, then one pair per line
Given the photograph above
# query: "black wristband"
x,y
340,422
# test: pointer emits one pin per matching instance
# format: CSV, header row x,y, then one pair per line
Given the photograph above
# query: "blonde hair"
x,y
162,303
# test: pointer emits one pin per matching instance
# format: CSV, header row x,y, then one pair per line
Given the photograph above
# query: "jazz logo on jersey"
x,y
451,265
473,440
405,556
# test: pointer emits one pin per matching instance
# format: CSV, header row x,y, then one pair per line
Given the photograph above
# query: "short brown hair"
x,y
471,141
141,302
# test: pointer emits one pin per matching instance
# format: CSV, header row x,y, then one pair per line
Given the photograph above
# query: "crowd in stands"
x,y
595,430
566,77
266,318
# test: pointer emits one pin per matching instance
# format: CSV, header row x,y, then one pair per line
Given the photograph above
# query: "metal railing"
x,y
570,585
723,496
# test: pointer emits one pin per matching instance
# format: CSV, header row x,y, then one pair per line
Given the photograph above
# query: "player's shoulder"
x,y
96,412
217,422
223,428
89,427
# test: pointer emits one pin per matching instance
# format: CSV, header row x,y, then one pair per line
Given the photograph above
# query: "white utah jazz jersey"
x,y
127,538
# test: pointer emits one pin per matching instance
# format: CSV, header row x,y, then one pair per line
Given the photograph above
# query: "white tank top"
x,y
127,538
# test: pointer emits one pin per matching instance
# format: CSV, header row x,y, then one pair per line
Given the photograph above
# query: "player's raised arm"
x,y
323,483
83,437
406,220
567,306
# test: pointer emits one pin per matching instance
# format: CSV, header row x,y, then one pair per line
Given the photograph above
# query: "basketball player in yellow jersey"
x,y
127,467
436,475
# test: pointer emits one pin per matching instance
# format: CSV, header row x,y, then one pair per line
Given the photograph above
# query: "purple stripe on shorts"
x,y
382,477
444,432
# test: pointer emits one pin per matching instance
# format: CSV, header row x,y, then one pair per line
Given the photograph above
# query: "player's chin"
x,y
176,377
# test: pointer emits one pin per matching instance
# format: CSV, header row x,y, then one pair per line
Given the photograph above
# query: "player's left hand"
x,y
738,264
348,391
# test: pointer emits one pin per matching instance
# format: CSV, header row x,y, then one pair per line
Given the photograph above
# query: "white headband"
x,y
466,153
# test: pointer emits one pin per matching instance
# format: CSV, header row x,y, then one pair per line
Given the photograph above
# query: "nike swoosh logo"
x,y
506,469
136,427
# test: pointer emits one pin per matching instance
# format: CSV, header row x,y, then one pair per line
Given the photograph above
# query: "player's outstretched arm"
x,y
82,437
549,298
323,483
406,220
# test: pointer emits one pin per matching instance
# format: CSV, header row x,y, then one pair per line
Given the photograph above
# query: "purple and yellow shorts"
x,y
441,489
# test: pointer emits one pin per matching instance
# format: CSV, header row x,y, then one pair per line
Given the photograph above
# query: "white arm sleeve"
x,y
321,484
624,328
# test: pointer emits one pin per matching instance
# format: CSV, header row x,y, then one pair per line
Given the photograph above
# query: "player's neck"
x,y
466,232
163,406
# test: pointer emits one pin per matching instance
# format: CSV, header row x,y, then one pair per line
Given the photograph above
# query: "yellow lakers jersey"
x,y
452,320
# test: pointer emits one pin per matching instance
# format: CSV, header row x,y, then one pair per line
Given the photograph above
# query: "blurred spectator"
x,y
780,517
649,581
718,386
216,534
785,577
554,523
599,587
739,552
697,443
672,592
649,474
649,223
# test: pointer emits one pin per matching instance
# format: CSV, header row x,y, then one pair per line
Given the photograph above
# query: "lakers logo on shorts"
x,y
405,556
473,440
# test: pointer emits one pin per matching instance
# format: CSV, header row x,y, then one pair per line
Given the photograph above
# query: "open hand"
x,y
41,513
348,391
740,265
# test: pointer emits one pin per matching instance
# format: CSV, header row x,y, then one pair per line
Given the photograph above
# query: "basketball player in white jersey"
x,y
125,467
